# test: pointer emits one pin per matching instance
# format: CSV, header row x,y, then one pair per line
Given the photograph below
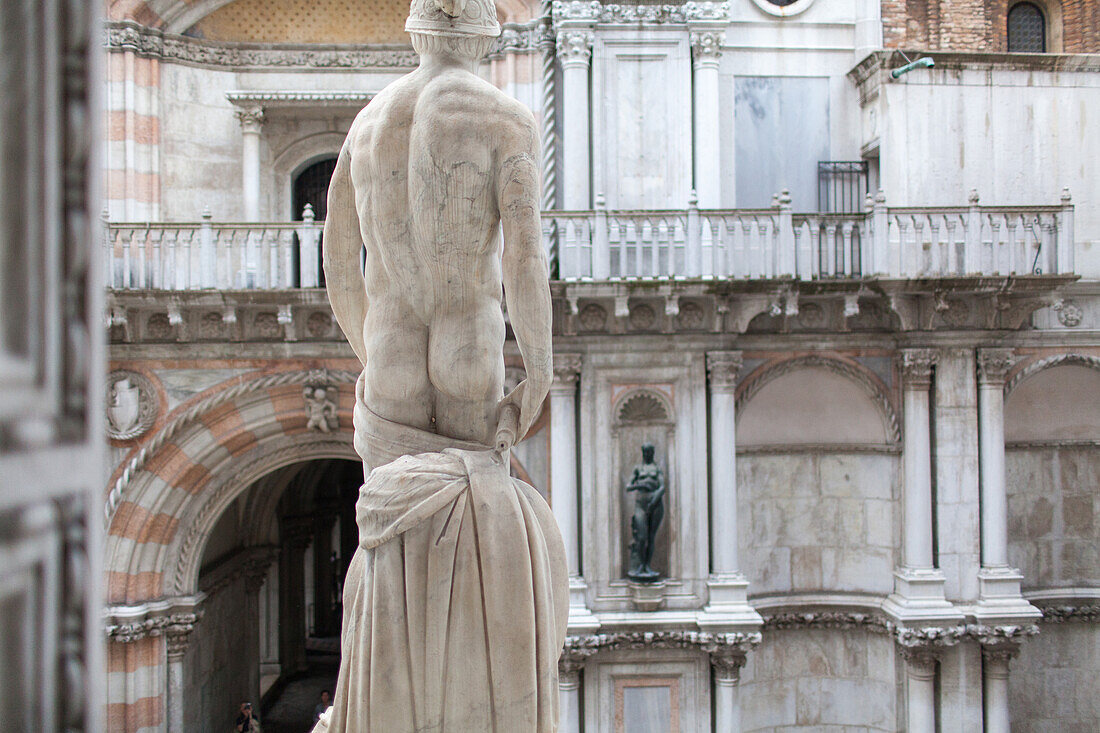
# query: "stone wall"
x,y
1054,537
1053,681
818,521
820,679
220,669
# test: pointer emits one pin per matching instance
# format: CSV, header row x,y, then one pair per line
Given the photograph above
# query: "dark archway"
x,y
272,571
311,187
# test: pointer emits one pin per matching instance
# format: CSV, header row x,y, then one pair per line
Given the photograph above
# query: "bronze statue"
x,y
649,510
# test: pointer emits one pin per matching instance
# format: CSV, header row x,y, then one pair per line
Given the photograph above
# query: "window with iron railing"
x,y
841,186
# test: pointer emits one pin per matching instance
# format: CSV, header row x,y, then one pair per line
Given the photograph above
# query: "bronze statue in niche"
x,y
648,483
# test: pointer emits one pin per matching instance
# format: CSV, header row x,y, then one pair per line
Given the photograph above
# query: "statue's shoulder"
x,y
469,92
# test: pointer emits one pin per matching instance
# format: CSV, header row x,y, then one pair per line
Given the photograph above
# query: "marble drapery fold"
x,y
454,554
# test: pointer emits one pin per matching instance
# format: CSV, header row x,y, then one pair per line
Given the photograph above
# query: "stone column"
x,y
728,588
706,50
727,698
251,119
920,691
177,636
563,454
995,688
575,51
297,533
570,666
917,458
993,366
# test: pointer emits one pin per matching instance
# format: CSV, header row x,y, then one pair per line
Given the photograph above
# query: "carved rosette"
x,y
723,368
567,370
251,119
706,47
994,365
131,405
916,367
575,47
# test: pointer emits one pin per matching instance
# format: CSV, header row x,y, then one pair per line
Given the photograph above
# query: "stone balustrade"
x,y
606,245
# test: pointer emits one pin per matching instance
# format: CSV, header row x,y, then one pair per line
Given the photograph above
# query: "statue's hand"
x,y
527,401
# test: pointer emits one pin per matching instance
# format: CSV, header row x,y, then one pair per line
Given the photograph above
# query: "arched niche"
x,y
1057,403
644,415
814,403
1052,461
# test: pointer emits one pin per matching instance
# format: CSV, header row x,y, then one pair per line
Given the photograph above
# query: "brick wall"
x,y
980,25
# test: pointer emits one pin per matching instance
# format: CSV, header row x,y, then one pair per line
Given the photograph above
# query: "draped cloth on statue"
x,y
456,599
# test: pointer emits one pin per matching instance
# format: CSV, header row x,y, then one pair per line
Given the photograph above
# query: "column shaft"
x,y
563,455
251,125
569,691
706,47
993,365
995,693
917,459
727,705
920,696
723,463
575,50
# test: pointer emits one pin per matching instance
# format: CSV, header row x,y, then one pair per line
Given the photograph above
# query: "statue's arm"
x,y
524,266
340,252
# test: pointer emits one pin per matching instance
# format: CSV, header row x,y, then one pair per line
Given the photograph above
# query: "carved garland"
x,y
190,415
152,43
1087,360
857,374
613,13
243,476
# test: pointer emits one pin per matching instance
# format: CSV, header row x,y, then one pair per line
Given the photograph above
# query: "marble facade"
x,y
840,529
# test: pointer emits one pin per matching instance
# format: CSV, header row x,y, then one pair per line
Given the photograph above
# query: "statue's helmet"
x,y
453,18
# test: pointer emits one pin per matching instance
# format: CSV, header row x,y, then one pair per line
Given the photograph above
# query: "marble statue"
x,y
649,509
456,600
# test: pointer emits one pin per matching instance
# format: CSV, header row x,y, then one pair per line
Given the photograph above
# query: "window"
x,y
1026,29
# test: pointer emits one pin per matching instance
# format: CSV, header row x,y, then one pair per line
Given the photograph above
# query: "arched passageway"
x,y
271,570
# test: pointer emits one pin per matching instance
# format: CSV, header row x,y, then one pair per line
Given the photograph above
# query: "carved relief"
x,y
267,325
1069,314
131,405
211,326
690,317
319,324
320,407
592,318
642,317
158,328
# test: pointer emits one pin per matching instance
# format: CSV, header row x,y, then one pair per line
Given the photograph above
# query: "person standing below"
x,y
247,720
326,701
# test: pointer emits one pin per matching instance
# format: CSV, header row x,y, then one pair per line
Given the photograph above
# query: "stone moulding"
x,y
152,43
720,646
755,381
174,616
578,10
1065,613
1086,360
194,411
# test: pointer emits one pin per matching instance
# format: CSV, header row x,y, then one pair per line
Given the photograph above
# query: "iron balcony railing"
x,y
601,244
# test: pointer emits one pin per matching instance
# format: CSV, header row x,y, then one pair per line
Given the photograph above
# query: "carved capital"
x,y
727,664
723,368
251,119
916,367
706,46
567,369
993,365
177,635
921,662
575,47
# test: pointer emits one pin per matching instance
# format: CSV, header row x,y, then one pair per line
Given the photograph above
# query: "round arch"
x,y
1034,367
171,493
867,381
294,159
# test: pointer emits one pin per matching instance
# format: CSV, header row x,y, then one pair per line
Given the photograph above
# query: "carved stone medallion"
x,y
131,405
593,317
642,317
1070,314
319,324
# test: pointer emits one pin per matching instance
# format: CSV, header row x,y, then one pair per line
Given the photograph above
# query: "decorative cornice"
x,y
247,100
1067,613
994,365
522,37
173,617
727,651
848,621
916,367
576,10
152,43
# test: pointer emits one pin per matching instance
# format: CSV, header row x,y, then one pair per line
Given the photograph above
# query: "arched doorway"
x,y
311,187
271,571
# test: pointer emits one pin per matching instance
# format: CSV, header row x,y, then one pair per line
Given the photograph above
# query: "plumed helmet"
x,y
453,18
